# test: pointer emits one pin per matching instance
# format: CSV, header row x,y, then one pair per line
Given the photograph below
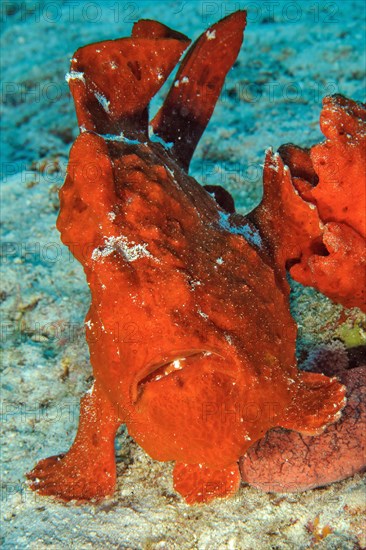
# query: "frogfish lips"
x,y
166,366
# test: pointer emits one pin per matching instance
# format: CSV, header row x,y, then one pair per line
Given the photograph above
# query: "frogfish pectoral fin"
x,y
318,401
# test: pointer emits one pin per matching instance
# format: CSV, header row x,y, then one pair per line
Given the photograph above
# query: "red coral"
x,y
313,216
340,162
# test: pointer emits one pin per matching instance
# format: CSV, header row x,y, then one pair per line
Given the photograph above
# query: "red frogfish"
x,y
211,366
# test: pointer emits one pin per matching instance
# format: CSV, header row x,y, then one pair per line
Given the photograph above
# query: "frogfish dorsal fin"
x,y
191,100
113,81
148,28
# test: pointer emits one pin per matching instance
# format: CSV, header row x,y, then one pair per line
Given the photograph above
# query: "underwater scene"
x,y
183,274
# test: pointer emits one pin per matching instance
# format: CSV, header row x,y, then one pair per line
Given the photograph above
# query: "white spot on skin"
x,y
204,315
219,261
170,171
103,101
185,80
193,284
120,137
74,75
111,216
211,35
90,391
274,167
129,250
228,339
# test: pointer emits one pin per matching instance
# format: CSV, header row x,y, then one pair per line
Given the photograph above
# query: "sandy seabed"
x,y
294,53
